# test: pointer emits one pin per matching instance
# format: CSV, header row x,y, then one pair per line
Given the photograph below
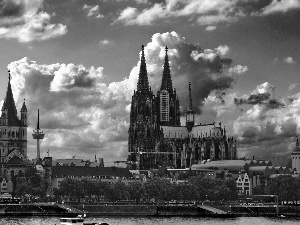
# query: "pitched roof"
x,y
90,171
15,160
73,162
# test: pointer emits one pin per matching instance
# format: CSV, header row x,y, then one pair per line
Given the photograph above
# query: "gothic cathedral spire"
x,y
190,102
143,83
166,83
9,106
189,113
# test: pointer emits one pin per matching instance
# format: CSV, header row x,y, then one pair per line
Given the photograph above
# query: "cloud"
x,y
289,60
293,86
106,42
215,19
206,13
210,28
92,11
281,6
127,16
80,114
189,63
263,94
268,128
24,21
130,16
238,69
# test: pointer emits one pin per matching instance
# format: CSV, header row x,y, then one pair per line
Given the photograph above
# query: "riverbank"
x,y
185,210
188,210
38,209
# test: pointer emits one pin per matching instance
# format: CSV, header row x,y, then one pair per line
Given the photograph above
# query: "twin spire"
x,y
143,83
166,83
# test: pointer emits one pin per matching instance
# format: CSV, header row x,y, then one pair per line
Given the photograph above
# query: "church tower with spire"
x,y
143,127
189,112
13,136
296,158
168,103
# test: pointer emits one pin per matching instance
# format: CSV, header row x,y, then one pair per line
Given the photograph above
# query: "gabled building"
x,y
13,136
156,136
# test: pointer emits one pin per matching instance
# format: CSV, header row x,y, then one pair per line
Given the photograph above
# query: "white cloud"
x,y
270,126
215,19
210,54
223,49
130,16
82,115
221,12
25,22
281,6
238,69
127,15
293,86
92,11
210,28
106,42
206,12
289,60
78,110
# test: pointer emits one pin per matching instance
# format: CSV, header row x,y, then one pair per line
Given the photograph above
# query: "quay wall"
x,y
117,210
173,210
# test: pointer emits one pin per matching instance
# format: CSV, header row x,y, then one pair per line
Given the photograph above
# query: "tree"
x,y
258,190
73,189
30,184
89,187
136,190
117,191
101,188
285,187
157,188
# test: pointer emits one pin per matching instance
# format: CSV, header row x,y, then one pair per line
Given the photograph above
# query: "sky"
x,y
78,62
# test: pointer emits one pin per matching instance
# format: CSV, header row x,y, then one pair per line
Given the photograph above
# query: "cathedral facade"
x,y
13,137
156,136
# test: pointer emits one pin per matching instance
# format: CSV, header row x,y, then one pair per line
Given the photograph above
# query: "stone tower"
x,y
144,128
168,103
296,158
13,136
189,112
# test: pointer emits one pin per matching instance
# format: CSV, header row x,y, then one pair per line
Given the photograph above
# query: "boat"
x,y
78,221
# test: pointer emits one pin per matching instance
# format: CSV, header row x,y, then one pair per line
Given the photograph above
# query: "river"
x,y
160,221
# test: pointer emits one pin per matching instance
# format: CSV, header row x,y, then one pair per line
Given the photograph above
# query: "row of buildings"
x,y
156,140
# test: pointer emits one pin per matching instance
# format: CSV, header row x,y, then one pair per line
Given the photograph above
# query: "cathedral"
x,y
156,136
13,137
